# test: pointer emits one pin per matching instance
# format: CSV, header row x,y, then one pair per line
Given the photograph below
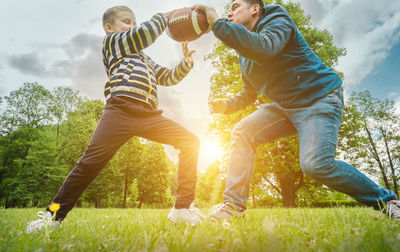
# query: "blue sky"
x,y
384,79
59,43
370,32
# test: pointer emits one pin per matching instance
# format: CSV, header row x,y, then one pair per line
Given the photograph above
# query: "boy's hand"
x,y
211,14
187,53
217,106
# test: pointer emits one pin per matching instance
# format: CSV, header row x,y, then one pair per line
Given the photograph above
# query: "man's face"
x,y
124,21
242,13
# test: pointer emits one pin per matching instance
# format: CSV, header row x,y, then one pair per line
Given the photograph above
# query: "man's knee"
x,y
241,132
317,167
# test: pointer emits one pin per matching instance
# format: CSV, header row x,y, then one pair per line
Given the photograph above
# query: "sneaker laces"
x,y
215,209
393,209
196,211
45,219
41,214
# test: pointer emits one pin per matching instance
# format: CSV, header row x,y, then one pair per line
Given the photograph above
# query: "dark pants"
x,y
122,119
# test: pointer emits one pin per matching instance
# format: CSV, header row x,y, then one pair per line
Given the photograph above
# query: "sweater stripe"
x,y
133,74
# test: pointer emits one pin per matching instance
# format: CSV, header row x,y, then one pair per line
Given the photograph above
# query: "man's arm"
x,y
262,46
136,39
243,99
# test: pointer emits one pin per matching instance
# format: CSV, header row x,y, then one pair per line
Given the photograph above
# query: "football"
x,y
186,24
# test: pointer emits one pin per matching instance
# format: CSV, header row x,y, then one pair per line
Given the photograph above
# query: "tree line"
x,y
43,133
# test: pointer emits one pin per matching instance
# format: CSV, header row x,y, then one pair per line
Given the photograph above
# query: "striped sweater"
x,y
132,73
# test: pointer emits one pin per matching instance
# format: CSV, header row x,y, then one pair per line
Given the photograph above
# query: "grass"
x,y
302,229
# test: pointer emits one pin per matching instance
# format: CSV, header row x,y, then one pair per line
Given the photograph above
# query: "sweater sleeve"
x,y
138,38
243,99
169,77
259,46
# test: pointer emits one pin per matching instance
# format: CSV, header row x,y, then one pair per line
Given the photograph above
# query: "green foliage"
x,y
328,229
43,134
210,186
370,137
77,129
26,107
153,177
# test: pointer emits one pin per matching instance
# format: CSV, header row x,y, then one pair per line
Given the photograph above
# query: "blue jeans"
x,y
318,128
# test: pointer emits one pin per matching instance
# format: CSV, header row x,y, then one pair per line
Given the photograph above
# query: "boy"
x,y
131,110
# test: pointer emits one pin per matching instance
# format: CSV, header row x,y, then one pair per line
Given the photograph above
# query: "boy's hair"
x,y
252,2
110,14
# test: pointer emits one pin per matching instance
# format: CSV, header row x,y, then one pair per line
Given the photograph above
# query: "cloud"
x,y
28,63
86,64
368,30
82,63
83,44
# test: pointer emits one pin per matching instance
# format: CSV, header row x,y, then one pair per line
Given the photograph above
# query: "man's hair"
x,y
110,14
252,2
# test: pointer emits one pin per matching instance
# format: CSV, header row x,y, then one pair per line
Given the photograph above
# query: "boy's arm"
x,y
170,77
167,77
136,39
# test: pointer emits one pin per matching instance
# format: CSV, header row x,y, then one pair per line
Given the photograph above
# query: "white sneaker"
x,y
392,209
191,215
224,212
45,220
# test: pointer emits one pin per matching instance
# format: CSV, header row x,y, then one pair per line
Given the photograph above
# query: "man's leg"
x,y
264,125
318,129
163,130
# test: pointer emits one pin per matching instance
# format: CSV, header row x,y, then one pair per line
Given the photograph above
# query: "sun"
x,y
212,150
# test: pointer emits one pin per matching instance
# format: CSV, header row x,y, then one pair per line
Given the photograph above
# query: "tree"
x,y
26,113
78,129
116,180
210,185
63,101
370,137
287,179
153,177
26,107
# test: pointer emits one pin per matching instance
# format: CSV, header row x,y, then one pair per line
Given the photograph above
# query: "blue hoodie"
x,y
276,60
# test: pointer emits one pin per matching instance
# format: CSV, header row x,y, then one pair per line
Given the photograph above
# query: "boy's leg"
x,y
163,130
318,129
114,128
264,125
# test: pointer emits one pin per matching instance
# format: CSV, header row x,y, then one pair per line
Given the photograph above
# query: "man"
x,y
307,98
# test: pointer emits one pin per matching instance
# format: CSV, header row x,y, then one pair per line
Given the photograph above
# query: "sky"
x,y
59,43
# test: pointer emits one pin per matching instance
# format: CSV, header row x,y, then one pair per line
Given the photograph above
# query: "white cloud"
x,y
368,29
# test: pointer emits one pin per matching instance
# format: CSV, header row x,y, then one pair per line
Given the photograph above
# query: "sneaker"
x,y
191,215
224,212
45,220
392,209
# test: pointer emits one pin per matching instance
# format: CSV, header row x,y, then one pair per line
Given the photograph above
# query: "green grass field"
x,y
329,229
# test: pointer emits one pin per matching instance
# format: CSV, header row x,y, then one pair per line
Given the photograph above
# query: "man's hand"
x,y
187,53
217,106
211,14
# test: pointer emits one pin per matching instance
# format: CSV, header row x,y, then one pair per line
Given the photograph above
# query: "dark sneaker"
x,y
224,212
392,209
45,220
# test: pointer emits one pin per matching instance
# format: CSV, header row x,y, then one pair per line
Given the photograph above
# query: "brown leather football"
x,y
186,24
